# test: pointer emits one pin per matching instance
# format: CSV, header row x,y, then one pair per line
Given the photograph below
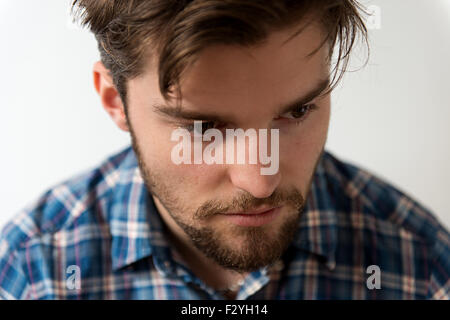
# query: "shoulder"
x,y
78,203
393,227
380,200
59,206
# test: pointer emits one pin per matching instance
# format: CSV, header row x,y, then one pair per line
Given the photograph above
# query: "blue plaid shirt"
x,y
99,236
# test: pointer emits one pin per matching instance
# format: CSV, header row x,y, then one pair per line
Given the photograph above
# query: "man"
x,y
143,226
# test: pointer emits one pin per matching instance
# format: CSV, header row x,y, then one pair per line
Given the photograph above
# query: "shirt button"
x,y
332,265
279,266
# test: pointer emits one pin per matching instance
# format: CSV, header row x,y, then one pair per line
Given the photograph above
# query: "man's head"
x,y
241,63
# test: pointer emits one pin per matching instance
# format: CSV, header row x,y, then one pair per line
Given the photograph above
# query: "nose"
x,y
248,177
260,176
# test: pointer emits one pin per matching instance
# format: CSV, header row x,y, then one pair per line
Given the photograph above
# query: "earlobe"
x,y
109,96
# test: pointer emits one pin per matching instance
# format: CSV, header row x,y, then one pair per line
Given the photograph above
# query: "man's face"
x,y
247,86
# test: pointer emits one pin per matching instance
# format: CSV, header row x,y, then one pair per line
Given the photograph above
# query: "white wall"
x,y
391,117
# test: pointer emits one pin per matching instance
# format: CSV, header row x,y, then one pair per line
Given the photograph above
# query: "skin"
x,y
247,85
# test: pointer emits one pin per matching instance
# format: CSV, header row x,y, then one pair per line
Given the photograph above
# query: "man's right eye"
x,y
205,125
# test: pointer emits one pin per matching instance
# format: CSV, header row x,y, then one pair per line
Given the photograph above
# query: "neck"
x,y
223,280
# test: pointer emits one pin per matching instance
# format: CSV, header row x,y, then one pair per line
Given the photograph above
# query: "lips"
x,y
253,219
253,212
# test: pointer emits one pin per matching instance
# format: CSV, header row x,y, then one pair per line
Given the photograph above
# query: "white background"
x,y
392,117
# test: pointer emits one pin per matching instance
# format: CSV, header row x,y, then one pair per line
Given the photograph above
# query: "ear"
x,y
109,95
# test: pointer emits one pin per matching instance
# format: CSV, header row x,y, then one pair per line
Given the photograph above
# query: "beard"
x,y
259,246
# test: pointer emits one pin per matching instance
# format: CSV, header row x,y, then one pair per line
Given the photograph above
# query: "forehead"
x,y
274,70
236,79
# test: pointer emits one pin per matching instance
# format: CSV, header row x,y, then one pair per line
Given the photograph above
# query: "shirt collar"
x,y
137,230
130,218
317,231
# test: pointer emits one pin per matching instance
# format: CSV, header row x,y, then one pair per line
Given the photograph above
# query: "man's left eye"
x,y
300,112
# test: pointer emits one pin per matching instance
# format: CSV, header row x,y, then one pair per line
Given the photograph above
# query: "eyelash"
x,y
310,108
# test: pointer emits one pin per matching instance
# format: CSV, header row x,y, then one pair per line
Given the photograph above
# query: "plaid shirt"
x,y
99,236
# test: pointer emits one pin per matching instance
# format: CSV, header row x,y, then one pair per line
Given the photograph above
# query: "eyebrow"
x,y
322,86
179,113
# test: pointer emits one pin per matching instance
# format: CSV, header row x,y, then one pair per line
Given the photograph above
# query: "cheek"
x,y
192,178
301,150
156,148
199,178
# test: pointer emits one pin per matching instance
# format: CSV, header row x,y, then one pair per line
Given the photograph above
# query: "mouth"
x,y
253,218
255,211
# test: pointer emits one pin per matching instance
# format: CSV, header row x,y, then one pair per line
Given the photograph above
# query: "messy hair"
x,y
175,31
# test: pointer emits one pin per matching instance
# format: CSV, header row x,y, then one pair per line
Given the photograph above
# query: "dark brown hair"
x,y
175,31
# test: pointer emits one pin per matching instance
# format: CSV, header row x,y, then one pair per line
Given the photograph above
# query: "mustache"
x,y
246,201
